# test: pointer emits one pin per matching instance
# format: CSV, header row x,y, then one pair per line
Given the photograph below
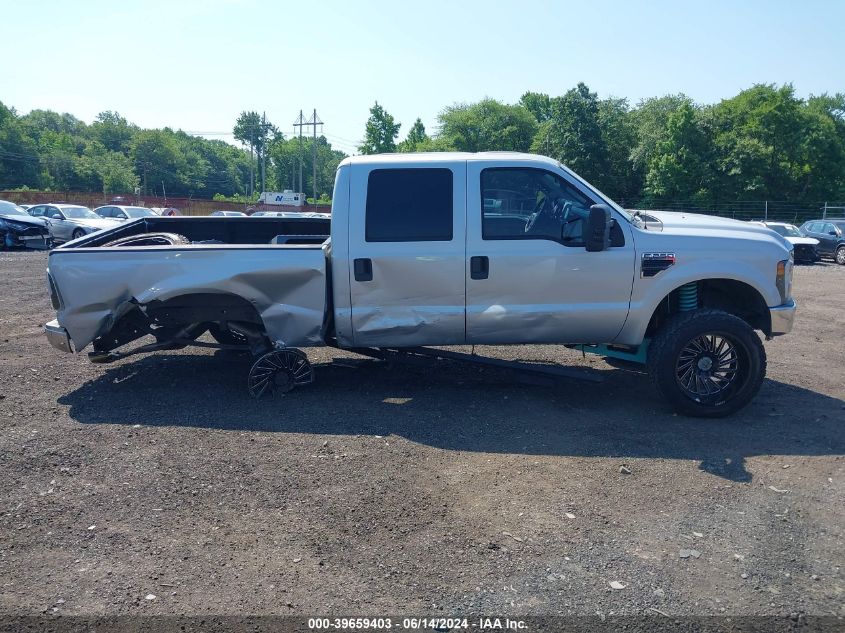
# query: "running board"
x,y
533,373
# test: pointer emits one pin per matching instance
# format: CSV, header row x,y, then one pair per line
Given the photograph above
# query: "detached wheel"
x,y
279,371
707,363
840,256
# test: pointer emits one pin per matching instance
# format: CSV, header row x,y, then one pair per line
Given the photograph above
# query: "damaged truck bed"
x,y
259,273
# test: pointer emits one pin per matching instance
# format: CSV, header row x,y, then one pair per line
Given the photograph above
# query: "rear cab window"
x,y
409,205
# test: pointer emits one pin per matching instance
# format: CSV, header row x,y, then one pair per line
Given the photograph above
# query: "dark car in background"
x,y
19,229
830,232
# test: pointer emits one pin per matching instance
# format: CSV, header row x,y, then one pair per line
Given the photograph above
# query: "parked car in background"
x,y
830,232
288,214
229,214
123,213
806,248
19,229
70,221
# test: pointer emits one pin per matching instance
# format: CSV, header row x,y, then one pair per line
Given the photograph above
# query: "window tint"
x,y
828,228
532,204
105,212
409,205
816,227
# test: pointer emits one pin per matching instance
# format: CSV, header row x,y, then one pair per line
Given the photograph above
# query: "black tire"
x,y
77,234
696,342
225,336
839,256
150,239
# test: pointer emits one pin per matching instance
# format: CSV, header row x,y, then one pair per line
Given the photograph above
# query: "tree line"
x,y
46,150
763,144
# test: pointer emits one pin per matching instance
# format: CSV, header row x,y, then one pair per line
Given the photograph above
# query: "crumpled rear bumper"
x,y
58,337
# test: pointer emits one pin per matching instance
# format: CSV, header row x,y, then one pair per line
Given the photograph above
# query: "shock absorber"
x,y
688,297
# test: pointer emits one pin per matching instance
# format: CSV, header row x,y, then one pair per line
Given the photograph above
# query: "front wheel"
x,y
707,363
840,256
77,234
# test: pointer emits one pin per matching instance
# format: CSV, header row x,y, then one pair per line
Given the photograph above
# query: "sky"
x,y
196,64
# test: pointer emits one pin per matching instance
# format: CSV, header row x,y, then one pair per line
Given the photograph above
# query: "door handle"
x,y
479,267
363,269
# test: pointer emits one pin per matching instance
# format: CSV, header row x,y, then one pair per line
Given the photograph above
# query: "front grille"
x,y
805,251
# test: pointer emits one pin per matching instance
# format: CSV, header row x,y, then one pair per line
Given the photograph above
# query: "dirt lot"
x,y
384,490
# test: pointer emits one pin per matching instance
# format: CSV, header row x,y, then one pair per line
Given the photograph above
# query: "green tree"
x,y
380,132
538,104
680,167
486,126
20,164
573,135
113,131
159,161
416,138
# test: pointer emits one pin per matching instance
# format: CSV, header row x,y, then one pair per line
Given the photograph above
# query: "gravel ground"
x,y
382,490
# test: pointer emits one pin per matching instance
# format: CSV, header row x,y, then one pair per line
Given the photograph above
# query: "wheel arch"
x,y
730,295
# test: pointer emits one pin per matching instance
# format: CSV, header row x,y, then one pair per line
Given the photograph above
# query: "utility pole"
x,y
314,121
263,151
251,161
300,123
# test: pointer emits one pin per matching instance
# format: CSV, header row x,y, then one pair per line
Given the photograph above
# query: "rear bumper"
x,y
782,317
58,337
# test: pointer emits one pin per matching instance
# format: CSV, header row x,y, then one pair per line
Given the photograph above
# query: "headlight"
x,y
783,279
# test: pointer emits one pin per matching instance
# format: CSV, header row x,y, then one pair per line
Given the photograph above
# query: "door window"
x,y
37,212
54,213
525,203
409,205
829,229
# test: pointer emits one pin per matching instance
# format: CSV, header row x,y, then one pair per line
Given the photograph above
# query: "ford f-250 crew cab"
x,y
439,250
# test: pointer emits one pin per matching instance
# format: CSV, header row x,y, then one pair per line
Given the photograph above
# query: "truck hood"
x,y
681,222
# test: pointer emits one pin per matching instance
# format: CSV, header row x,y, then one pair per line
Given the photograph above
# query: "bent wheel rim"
x,y
711,368
279,371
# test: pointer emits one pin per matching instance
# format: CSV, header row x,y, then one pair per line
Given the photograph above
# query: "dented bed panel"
x,y
287,285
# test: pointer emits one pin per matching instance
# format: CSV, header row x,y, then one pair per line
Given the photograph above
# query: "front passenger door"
x,y
529,276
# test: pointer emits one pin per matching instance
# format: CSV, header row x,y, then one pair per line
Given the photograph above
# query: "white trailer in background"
x,y
286,198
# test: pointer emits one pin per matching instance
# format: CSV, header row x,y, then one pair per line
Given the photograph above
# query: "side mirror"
x,y
597,236
833,233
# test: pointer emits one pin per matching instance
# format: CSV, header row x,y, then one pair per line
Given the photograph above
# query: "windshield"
x,y
138,212
604,198
79,213
787,230
10,208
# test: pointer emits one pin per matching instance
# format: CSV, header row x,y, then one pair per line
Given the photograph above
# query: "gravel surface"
x,y
155,485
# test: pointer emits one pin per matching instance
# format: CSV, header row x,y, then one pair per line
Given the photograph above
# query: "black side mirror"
x,y
597,237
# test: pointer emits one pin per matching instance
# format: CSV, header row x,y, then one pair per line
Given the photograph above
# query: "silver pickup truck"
x,y
439,250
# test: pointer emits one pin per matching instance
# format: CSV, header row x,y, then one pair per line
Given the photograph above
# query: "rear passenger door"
x,y
406,251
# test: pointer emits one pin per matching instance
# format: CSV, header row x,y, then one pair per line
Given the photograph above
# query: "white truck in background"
x,y
438,250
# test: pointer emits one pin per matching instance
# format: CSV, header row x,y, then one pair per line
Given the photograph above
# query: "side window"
x,y
36,211
815,227
828,228
526,203
54,213
409,205
104,212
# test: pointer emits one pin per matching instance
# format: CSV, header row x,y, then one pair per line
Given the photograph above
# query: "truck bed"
x,y
238,269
